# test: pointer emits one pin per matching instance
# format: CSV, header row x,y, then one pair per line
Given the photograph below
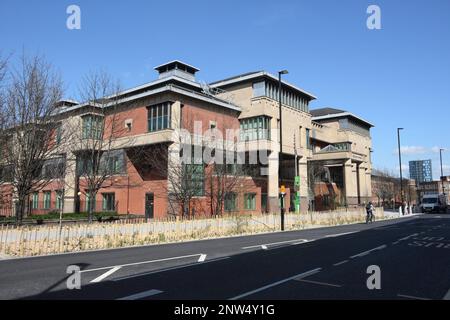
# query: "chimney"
x,y
177,68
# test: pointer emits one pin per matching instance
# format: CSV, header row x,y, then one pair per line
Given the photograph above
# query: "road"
x,y
412,253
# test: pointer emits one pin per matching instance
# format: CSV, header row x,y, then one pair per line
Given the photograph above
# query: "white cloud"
x,y
411,150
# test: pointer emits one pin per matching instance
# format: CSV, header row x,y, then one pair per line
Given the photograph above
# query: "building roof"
x,y
325,111
258,74
176,63
333,113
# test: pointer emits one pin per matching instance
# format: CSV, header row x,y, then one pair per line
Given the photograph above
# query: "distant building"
x,y
421,171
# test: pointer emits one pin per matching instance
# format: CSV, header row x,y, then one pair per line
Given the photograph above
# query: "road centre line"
x,y
296,277
106,274
143,262
447,295
274,243
368,251
411,297
319,283
168,269
141,295
340,263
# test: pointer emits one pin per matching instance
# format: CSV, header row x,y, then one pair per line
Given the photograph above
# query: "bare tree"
x,y
27,126
383,186
98,137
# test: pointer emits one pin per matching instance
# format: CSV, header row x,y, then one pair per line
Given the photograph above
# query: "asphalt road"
x,y
412,253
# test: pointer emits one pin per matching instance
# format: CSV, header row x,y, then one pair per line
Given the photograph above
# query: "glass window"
x,y
59,199
47,198
159,117
109,202
254,128
230,201
35,200
90,202
92,127
259,89
308,139
250,201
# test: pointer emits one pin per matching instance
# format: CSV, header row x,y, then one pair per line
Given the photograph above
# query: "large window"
x,y
250,201
289,97
230,201
256,128
308,139
59,199
195,178
109,202
90,202
35,200
47,199
159,116
92,127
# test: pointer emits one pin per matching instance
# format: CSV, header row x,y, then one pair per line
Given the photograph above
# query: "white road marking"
x,y
143,262
296,277
319,283
412,297
274,243
264,247
339,234
167,269
141,295
106,274
339,263
362,254
202,258
447,296
407,237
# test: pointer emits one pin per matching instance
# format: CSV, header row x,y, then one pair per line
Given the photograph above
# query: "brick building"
x,y
328,148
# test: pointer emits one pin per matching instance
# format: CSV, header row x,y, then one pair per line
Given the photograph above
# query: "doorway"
x,y
149,205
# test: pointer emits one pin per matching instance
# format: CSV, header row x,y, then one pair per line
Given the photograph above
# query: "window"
x,y
250,201
59,199
257,128
159,116
109,202
195,176
308,139
35,200
212,124
259,89
47,198
230,201
58,134
92,127
90,202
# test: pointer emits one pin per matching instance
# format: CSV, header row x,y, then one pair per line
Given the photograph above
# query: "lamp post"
x,y
400,162
442,171
280,156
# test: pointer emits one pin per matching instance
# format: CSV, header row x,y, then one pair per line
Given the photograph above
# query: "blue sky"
x,y
398,76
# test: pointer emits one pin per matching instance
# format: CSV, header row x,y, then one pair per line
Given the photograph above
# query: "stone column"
x,y
272,183
350,183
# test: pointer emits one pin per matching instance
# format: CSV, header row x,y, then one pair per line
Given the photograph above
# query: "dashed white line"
x,y
202,258
447,296
340,263
411,297
142,295
274,243
296,277
319,283
362,254
106,274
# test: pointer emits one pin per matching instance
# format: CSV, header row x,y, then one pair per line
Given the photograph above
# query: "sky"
x,y
398,76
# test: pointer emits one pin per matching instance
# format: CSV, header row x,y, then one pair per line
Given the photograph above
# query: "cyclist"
x,y
370,209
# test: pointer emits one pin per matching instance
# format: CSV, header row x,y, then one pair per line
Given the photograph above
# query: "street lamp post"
x,y
400,162
442,171
280,156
